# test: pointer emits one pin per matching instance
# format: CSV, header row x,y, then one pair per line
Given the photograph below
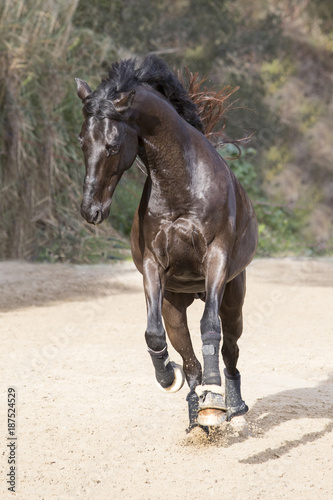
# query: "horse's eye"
x,y
112,149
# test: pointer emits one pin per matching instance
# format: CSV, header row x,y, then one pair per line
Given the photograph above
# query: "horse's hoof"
x,y
211,405
211,417
178,381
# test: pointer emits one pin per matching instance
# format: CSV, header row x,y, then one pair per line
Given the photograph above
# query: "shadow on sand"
x,y
33,285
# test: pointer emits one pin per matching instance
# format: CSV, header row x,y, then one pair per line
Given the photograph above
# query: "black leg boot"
x,y
193,410
210,353
233,399
164,371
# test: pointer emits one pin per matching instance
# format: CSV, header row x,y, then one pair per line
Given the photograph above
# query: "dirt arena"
x,y
93,424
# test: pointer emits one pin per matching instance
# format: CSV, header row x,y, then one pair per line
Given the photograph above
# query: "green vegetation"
x,y
279,229
280,54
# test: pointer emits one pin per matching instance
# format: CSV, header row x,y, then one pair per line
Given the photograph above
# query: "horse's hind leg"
x,y
232,327
175,320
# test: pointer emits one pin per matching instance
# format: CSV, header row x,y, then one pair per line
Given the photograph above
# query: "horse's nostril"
x,y
98,217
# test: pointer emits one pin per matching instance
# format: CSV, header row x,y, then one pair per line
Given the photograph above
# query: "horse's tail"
x,y
212,105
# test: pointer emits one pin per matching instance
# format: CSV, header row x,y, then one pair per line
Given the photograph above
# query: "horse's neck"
x,y
165,142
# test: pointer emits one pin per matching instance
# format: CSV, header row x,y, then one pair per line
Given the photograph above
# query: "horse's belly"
x,y
185,283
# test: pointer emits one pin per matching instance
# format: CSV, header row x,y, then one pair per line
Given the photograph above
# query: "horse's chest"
x,y
180,246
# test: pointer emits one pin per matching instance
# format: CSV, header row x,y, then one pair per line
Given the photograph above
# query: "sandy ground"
x,y
92,424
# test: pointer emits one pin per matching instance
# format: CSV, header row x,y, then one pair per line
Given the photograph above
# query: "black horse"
x,y
194,232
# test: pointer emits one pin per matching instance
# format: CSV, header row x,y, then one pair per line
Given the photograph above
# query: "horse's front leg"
x,y
169,375
212,407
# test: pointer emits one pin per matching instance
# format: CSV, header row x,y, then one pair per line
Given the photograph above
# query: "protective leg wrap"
x,y
164,371
236,406
193,410
211,354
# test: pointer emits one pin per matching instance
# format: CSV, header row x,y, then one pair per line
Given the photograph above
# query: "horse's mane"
x,y
124,76
202,108
211,105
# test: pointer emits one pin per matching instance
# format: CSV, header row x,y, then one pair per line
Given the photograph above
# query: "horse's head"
x,y
110,145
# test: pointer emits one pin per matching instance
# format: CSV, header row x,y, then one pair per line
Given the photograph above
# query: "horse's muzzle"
x,y
94,214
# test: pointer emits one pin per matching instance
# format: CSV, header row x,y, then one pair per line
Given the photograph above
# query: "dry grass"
x,y
41,167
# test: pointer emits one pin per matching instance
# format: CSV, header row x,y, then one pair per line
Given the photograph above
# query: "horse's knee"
x,y
210,323
155,338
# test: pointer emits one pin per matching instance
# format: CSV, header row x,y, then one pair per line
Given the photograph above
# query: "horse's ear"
x,y
83,89
124,101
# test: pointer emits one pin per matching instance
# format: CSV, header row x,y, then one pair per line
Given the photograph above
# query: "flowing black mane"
x,y
124,76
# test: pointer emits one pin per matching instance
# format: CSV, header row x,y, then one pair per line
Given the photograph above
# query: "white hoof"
x,y
178,382
211,417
